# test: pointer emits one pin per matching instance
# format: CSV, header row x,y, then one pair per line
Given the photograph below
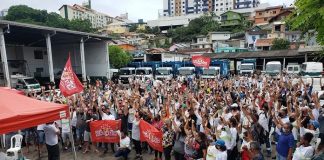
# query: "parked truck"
x,y
164,73
273,69
247,66
125,74
211,73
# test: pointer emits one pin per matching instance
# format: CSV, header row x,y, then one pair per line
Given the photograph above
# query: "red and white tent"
x,y
20,112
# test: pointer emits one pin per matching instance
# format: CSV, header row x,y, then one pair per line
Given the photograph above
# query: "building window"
x,y
216,5
274,12
265,19
221,9
38,54
277,28
216,9
226,3
260,13
221,4
226,8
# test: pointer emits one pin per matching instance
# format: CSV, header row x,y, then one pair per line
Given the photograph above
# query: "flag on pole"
x,y
69,83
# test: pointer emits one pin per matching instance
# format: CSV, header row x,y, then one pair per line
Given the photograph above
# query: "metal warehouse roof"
x,y
261,54
33,35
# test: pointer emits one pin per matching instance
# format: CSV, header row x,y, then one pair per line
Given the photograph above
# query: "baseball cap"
x,y
220,143
234,105
314,123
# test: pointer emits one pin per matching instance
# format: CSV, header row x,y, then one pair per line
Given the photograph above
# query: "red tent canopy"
x,y
13,90
19,112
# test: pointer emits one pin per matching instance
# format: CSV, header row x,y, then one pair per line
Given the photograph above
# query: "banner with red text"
x,y
151,135
69,83
201,61
105,131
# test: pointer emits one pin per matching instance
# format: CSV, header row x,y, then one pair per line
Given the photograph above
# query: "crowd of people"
x,y
241,117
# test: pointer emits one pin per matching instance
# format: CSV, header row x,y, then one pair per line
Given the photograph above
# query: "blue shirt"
x,y
285,142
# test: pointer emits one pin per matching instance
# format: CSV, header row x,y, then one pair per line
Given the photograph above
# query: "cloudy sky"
x,y
137,9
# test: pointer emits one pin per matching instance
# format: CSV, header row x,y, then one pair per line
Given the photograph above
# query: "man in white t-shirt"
x,y
51,140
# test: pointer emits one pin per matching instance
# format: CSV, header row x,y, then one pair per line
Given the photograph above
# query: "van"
x,y
293,69
144,72
273,69
26,84
312,69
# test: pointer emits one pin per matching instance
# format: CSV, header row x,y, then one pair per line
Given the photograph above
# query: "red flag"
x,y
151,135
201,61
69,83
105,131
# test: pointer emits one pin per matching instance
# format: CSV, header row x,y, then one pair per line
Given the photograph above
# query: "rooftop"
x,y
263,42
260,54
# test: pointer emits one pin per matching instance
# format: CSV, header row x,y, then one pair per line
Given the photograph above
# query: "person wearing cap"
x,y
217,150
305,149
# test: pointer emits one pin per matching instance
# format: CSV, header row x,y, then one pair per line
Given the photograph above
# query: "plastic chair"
x,y
13,151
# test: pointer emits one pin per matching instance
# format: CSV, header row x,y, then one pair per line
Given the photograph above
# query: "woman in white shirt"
x,y
124,145
305,150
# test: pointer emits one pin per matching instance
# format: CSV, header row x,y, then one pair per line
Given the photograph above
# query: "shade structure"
x,y
13,90
20,112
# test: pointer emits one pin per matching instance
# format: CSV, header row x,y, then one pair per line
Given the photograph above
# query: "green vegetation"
x,y
280,44
25,14
309,15
118,57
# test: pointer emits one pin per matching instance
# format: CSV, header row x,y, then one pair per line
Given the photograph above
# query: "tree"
x,y
309,15
198,26
280,44
25,14
133,28
118,57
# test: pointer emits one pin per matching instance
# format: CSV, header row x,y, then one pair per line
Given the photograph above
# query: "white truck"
x,y
25,83
210,73
293,69
187,72
163,73
273,69
125,74
312,69
144,73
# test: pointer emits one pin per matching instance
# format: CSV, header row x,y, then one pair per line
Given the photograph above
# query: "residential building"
x,y
252,35
201,42
263,44
97,19
231,19
230,50
185,7
222,6
240,4
118,27
262,16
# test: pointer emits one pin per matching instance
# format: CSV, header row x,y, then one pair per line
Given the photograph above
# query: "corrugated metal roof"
x,y
52,29
260,54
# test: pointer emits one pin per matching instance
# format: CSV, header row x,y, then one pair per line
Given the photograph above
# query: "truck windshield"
x,y
143,72
184,72
247,67
210,72
30,81
124,72
163,72
273,68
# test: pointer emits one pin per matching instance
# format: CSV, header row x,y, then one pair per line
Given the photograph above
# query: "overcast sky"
x,y
137,9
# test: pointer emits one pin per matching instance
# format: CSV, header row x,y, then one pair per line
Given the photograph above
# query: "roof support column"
x,y
264,64
50,58
284,63
84,75
306,58
4,58
108,62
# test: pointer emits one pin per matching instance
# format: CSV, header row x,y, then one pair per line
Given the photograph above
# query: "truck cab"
x,y
163,73
125,74
144,72
247,68
187,72
210,73
24,83
273,69
312,69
